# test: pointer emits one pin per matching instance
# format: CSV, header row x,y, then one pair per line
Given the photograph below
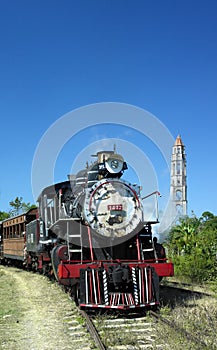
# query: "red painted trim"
x,y
70,270
91,285
142,281
150,284
60,271
98,286
164,269
138,247
40,262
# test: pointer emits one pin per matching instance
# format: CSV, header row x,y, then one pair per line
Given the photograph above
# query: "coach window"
x,y
13,231
21,230
18,230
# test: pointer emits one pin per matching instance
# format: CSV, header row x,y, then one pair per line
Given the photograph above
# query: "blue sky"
x,y
57,56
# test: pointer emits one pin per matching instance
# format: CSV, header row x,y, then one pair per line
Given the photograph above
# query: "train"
x,y
90,233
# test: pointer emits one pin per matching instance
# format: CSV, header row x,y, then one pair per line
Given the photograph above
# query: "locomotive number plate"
x,y
115,207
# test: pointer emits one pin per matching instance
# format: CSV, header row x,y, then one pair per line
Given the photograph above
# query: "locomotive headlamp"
x,y
114,165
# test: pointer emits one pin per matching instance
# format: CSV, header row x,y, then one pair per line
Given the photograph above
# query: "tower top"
x,y
178,141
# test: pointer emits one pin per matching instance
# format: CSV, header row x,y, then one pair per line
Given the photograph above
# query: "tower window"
x,y
179,209
178,168
178,195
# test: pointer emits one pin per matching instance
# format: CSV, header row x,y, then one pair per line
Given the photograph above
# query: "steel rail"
x,y
183,288
189,336
93,331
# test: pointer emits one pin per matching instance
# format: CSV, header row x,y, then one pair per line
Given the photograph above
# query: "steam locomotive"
x,y
90,232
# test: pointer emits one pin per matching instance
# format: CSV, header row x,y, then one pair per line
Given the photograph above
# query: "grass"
x,y
198,316
34,313
8,301
10,312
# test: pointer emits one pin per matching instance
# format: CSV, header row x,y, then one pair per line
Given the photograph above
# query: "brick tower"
x,y
178,183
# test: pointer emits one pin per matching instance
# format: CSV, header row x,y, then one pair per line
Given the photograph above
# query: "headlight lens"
x,y
114,166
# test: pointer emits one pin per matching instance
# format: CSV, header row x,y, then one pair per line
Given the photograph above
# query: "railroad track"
x,y
174,296
185,301
195,340
77,332
134,331
93,331
121,332
187,287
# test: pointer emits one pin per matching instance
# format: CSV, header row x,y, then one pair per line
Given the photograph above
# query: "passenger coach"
x,y
13,236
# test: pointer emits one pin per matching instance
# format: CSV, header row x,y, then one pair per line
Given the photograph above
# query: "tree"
x,y
193,247
27,206
206,216
19,206
182,237
16,204
4,215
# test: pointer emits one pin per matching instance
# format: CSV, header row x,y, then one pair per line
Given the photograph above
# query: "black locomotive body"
x,y
91,234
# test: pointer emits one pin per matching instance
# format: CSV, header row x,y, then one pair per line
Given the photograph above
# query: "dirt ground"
x,y
35,314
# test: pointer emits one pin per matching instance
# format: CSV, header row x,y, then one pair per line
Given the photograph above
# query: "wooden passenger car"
x,y
13,234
